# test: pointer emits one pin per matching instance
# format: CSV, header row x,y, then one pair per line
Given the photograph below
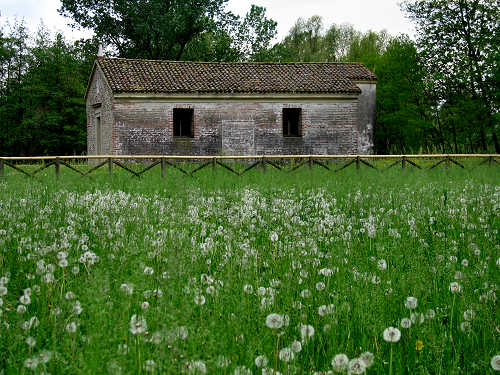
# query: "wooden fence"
x,y
286,163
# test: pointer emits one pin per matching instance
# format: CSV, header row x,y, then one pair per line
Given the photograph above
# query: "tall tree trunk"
x,y
495,142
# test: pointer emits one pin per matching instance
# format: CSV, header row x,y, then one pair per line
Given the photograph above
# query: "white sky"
x,y
363,14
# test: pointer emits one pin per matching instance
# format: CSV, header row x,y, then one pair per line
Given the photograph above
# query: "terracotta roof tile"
x,y
149,76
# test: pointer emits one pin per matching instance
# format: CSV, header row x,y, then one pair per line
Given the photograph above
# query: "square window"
x,y
292,122
183,122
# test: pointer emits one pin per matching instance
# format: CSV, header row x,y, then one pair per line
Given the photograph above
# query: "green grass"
x,y
249,246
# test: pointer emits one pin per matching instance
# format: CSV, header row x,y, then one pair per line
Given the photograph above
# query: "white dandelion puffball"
x,y
25,299
411,303
306,332
455,287
274,321
495,362
382,264
197,367
261,361
286,355
296,346
340,362
71,327
199,300
392,334
356,366
405,323
138,324
367,358
498,265
273,236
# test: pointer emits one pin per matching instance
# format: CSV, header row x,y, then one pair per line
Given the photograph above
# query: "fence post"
x,y
110,167
1,168
162,161
357,162
403,162
310,162
490,161
263,164
58,167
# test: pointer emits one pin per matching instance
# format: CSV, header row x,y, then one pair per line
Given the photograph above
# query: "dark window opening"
x,y
183,122
292,122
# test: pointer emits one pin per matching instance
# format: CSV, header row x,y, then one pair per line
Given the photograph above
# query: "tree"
x,y
460,43
404,113
153,29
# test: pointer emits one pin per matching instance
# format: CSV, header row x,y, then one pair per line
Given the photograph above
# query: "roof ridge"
x,y
239,62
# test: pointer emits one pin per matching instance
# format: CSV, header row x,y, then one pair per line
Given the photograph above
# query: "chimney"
x,y
100,52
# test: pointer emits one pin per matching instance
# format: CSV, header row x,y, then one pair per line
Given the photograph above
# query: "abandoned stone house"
x,y
143,107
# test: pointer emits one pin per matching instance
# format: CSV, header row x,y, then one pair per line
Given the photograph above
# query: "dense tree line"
x,y
439,93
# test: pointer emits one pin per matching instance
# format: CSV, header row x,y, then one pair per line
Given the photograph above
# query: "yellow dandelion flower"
x,y
419,345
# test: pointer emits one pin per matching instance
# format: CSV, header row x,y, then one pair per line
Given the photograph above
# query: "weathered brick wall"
x,y
99,103
235,127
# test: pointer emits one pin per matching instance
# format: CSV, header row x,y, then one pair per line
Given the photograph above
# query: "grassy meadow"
x,y
302,273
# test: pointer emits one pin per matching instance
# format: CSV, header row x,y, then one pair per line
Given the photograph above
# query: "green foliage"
x,y
341,253
460,44
42,105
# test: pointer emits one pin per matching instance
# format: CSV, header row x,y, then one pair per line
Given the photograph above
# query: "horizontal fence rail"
x,y
286,163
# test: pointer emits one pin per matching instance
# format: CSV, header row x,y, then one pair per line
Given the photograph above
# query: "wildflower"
x,y
149,271
367,358
70,295
340,362
182,332
138,324
469,314
296,346
31,363
248,289
149,365
199,300
145,305
455,287
30,341
306,332
286,355
465,327
21,309
274,321
45,356
419,345
392,334
305,293
430,314
77,308
382,264
324,310
411,303
273,236
71,327
196,367
356,366
495,362
405,323
222,362
261,361
242,370
325,272
320,286
63,263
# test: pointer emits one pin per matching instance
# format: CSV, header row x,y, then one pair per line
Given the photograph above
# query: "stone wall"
x,y
99,104
367,117
230,127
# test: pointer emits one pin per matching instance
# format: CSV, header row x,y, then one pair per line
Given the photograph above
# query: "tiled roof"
x,y
148,76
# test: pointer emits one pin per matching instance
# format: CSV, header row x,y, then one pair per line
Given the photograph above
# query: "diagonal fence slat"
x,y
199,168
74,169
177,167
152,165
86,174
228,168
134,173
367,164
18,169
249,167
345,165
321,164
45,166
